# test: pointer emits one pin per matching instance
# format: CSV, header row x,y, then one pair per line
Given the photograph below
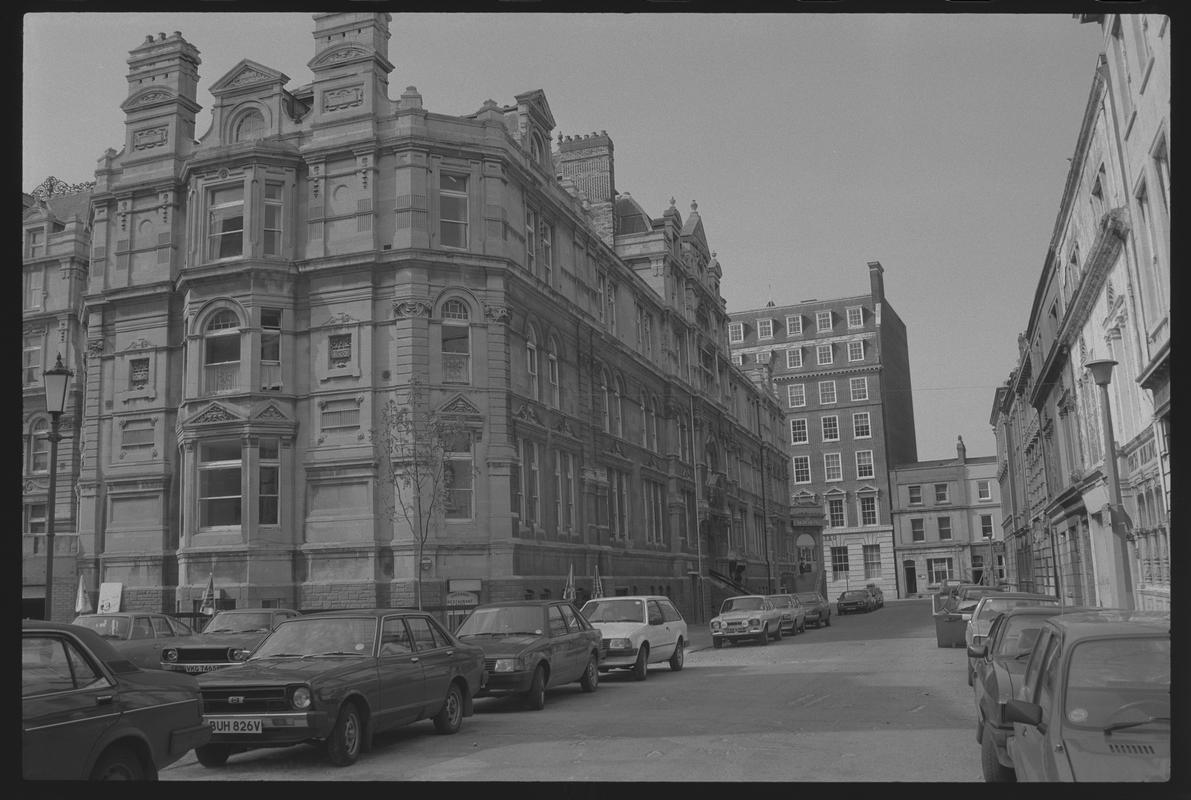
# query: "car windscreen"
x,y
614,610
808,598
106,625
741,604
505,621
354,636
1018,634
1119,682
239,622
995,605
855,595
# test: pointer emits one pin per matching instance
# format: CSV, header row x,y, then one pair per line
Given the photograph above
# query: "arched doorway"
x,y
911,577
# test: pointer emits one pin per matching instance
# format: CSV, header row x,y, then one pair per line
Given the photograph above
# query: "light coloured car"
x,y
986,610
793,614
746,617
638,631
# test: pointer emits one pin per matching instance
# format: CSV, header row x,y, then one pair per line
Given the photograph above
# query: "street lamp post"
x,y
55,381
1101,370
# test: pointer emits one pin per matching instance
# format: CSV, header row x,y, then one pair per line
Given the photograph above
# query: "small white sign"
x,y
109,597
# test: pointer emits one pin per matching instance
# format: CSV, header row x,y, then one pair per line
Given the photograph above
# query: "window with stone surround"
x,y
34,289
802,469
270,360
855,317
856,351
829,428
339,350
220,489
34,517
833,467
764,329
798,431
225,222
269,469
138,373
796,395
456,342
735,332
917,529
823,321
39,446
826,392
31,363
861,427
793,325
452,210
859,388
221,352
794,358
458,475
864,464
823,355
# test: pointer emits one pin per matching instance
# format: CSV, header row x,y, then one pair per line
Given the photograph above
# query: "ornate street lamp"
x,y
1101,370
55,381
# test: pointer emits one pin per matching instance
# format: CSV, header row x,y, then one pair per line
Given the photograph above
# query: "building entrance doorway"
x,y
911,578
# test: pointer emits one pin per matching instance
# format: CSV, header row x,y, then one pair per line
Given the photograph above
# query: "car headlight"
x,y
238,654
300,699
620,644
755,622
507,665
169,654
715,624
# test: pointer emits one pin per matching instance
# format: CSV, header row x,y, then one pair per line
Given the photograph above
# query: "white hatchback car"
x,y
638,631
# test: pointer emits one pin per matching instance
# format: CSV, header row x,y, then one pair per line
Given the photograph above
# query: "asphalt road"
x,y
870,698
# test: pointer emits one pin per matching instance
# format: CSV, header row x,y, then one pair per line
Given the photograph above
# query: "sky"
x,y
937,144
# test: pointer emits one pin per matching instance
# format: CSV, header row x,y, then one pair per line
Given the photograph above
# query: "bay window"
x,y
458,475
452,210
220,464
221,352
456,343
225,222
269,469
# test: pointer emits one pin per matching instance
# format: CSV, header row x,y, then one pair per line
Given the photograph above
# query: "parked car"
x,y
854,600
227,639
968,595
88,713
532,645
139,635
1000,660
986,610
878,595
793,614
1094,704
638,631
339,677
746,616
947,586
818,610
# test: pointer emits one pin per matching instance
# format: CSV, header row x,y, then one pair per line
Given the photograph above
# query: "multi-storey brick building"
x,y
1103,293
841,369
947,521
55,227
257,296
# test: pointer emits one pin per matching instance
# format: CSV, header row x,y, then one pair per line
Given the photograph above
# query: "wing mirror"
x,y
977,650
1023,712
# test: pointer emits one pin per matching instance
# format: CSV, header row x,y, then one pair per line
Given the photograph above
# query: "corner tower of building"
x,y
161,106
351,66
587,162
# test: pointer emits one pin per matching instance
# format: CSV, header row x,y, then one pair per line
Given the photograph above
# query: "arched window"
x,y
536,149
251,126
531,362
221,352
553,398
456,342
618,406
39,446
606,403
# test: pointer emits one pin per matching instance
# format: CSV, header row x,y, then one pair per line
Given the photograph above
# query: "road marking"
x,y
917,708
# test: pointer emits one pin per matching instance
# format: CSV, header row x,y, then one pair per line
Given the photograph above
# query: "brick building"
x,y
257,296
841,369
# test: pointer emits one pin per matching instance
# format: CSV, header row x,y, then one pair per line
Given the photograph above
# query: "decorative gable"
x,y
459,405
214,413
248,76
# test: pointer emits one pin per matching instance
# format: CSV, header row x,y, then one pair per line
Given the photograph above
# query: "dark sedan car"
x,y
818,610
530,645
139,635
339,677
228,639
854,600
1000,660
89,713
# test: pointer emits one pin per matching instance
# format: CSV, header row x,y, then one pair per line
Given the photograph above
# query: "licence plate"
x,y
201,667
234,724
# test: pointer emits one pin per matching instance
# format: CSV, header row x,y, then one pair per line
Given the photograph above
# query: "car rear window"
x,y
614,610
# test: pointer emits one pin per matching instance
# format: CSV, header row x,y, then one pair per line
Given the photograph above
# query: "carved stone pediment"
x,y
459,405
212,414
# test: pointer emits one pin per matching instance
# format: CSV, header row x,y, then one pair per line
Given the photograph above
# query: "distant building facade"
x,y
947,521
841,371
255,296
1104,293
56,234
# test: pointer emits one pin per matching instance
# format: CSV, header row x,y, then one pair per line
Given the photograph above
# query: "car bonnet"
x,y
1138,754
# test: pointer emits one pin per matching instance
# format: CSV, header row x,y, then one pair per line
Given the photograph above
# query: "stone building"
x,y
841,370
259,294
55,234
1103,293
947,521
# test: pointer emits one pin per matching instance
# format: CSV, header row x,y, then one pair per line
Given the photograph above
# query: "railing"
x,y
270,375
456,368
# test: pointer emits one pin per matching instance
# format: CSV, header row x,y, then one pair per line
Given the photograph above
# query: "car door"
x,y
435,656
399,673
674,623
568,650
984,679
67,704
1029,741
585,632
661,637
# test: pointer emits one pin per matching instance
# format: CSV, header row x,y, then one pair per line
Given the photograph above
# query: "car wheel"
x,y
777,637
591,676
450,717
765,635
118,764
828,622
676,660
213,755
994,771
343,745
535,698
641,668
717,643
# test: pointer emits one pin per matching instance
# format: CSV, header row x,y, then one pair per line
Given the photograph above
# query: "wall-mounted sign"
x,y
109,597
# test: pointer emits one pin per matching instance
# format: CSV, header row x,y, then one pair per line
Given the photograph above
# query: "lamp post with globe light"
x,y
55,381
1101,370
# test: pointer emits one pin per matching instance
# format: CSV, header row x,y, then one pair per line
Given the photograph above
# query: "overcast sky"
x,y
937,144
